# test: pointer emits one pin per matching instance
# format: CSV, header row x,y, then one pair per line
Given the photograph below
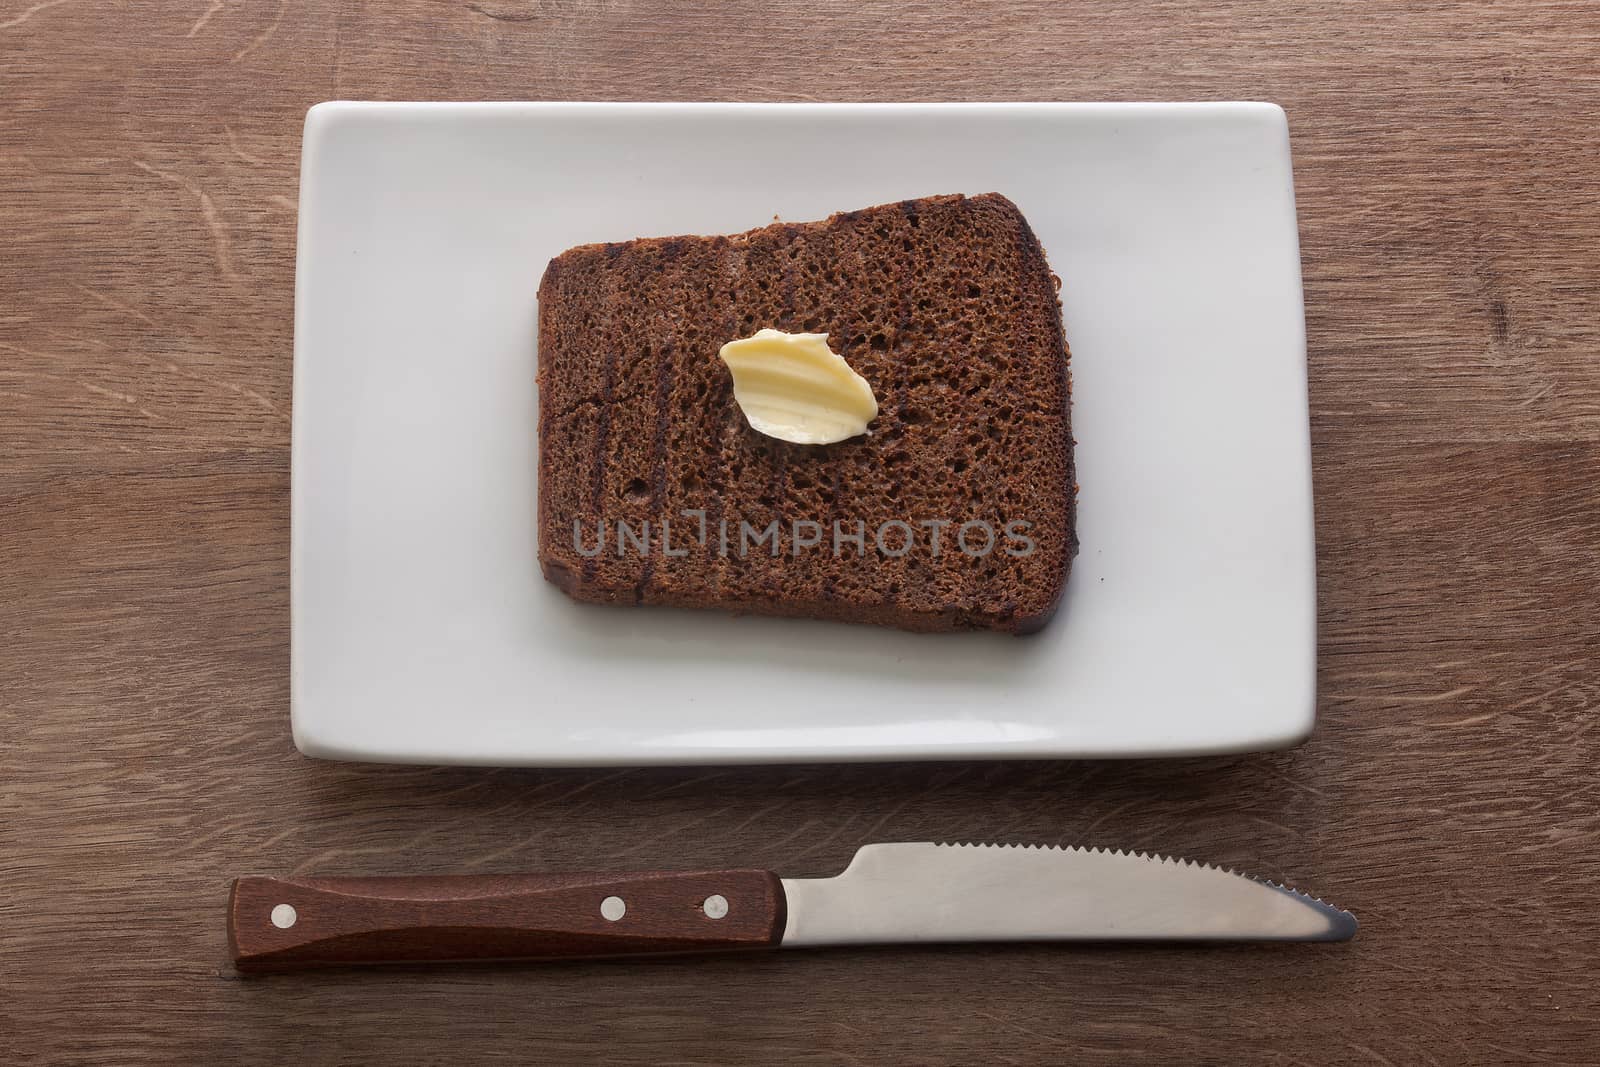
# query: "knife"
x,y
890,893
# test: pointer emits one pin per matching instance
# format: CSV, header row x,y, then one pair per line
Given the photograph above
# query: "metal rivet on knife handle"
x,y
284,916
613,908
716,906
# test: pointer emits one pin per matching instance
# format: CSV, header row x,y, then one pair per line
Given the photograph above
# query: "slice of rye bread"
x,y
945,305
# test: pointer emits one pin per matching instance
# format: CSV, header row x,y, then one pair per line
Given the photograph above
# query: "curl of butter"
x,y
792,386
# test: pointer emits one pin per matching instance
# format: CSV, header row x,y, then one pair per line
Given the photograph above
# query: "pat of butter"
x,y
792,386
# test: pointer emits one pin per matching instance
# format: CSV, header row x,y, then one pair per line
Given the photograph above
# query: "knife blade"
x,y
973,892
890,893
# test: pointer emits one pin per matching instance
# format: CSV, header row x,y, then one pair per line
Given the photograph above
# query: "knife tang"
x,y
286,923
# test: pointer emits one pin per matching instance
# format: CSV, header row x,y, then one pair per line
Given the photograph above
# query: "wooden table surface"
x,y
1446,157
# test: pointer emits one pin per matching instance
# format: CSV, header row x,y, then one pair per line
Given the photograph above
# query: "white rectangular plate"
x,y
422,631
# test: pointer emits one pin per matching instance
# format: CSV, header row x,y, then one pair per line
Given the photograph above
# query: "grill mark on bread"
x,y
658,456
602,430
919,584
780,468
732,269
787,275
779,485
861,357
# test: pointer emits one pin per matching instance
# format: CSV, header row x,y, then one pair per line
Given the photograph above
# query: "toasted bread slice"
x,y
956,510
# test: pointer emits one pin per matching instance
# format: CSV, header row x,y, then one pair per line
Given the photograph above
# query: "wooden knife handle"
x,y
282,923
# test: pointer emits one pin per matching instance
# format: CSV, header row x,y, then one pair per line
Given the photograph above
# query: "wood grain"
x,y
1448,170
